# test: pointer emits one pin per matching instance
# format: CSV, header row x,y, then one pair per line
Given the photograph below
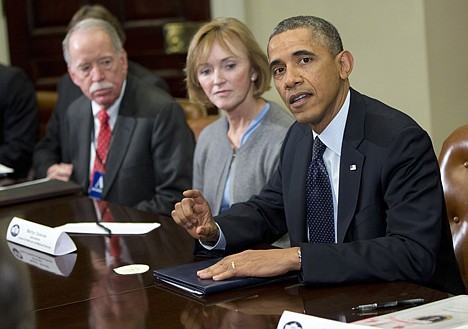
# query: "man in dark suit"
x,y
19,120
68,91
149,157
388,218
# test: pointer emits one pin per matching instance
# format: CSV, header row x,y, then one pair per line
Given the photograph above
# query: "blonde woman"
x,y
235,155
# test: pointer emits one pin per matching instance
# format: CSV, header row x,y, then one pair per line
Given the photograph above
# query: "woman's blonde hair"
x,y
224,31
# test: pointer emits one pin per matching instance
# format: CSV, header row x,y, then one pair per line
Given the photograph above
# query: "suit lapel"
x,y
121,137
80,140
351,164
298,202
120,142
350,177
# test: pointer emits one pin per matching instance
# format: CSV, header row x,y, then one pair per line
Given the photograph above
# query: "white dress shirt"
x,y
113,113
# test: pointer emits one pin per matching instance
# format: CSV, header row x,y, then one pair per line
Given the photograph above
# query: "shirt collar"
x,y
333,134
113,110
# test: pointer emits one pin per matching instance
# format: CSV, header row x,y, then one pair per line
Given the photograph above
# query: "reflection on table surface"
x,y
92,295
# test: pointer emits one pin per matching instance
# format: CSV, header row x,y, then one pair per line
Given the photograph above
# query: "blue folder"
x,y
185,277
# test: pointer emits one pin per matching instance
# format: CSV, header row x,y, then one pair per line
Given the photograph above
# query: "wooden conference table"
x,y
85,293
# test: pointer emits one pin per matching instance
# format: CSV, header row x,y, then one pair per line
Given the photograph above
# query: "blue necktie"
x,y
319,198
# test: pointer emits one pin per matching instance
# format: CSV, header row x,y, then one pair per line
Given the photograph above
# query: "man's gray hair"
x,y
91,24
322,29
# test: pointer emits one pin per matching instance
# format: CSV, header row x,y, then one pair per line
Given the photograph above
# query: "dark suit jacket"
x,y
19,120
392,222
150,157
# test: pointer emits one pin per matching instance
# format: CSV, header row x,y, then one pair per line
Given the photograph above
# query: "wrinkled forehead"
x,y
291,41
88,46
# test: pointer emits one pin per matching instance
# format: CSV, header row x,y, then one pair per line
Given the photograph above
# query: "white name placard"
x,y
294,320
60,265
39,237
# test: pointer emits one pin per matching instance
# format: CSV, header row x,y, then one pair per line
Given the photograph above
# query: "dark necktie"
x,y
102,142
320,218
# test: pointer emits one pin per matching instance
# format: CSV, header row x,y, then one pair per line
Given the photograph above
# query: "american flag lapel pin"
x,y
353,167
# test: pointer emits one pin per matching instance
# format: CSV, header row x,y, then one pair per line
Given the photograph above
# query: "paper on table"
x,y
24,184
298,320
132,269
442,314
5,170
119,228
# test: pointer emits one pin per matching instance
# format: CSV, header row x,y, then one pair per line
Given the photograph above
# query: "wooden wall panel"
x,y
36,29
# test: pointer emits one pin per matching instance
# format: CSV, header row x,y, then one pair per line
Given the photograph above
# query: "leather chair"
x,y
453,161
46,104
192,110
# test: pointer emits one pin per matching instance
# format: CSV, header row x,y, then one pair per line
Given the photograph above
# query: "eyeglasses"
x,y
104,64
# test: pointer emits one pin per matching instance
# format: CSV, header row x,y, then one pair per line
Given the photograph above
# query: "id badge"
x,y
97,185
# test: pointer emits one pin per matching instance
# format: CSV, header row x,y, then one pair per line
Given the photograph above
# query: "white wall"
x,y
4,54
389,42
447,26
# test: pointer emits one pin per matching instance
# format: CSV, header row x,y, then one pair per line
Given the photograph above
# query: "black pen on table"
x,y
375,306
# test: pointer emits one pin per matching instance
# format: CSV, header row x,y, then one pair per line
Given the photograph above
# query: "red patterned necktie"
x,y
104,137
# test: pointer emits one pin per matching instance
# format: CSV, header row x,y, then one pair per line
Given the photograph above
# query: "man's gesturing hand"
x,y
194,214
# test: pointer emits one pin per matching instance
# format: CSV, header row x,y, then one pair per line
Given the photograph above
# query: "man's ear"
x,y
72,75
124,59
346,62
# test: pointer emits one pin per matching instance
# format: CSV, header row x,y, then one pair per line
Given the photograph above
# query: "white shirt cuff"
x,y
219,245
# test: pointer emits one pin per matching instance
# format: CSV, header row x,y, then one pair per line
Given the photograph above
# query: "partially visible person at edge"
x,y
236,155
19,121
16,293
387,200
149,158
67,91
